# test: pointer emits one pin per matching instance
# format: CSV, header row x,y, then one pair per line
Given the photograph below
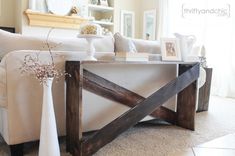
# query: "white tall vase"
x,y
49,145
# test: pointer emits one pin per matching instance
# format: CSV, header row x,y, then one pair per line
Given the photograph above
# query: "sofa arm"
x,y
24,95
3,102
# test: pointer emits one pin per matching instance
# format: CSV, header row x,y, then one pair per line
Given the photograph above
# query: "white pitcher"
x,y
186,44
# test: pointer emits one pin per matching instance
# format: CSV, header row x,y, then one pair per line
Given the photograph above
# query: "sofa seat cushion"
x,y
3,98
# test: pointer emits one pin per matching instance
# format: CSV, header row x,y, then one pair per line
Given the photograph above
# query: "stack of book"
x,y
123,56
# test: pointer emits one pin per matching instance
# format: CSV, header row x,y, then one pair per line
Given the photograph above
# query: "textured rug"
x,y
160,140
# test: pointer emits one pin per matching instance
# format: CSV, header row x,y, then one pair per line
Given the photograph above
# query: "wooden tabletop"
x,y
137,62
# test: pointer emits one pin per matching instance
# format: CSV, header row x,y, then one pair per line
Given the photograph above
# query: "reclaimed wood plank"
x,y
73,107
144,108
186,103
204,92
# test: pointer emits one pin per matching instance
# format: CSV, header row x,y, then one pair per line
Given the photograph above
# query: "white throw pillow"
x,y
123,44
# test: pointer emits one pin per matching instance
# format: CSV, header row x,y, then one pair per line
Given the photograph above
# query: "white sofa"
x,y
21,95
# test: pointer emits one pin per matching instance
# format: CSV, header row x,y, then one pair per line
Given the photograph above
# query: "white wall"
x,y
18,16
129,5
7,13
138,7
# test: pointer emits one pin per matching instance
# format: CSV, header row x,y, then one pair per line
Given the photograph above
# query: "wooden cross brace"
x,y
184,85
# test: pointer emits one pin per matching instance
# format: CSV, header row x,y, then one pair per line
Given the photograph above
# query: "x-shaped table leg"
x,y
185,85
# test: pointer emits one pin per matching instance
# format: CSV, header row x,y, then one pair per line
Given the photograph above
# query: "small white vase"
x,y
49,145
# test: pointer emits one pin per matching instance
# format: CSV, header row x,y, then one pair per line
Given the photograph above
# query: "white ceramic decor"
x,y
49,145
91,48
186,44
60,7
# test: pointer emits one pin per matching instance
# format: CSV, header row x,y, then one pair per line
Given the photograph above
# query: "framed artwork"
x,y
170,49
127,23
103,2
149,25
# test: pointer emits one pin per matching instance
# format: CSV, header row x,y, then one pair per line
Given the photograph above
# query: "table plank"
x,y
73,107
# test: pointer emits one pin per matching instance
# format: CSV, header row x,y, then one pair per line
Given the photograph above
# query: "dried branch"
x,y
41,71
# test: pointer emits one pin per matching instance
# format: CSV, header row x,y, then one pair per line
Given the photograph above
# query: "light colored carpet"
x,y
161,140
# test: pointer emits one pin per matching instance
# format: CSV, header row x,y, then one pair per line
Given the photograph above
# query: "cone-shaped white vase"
x,y
49,145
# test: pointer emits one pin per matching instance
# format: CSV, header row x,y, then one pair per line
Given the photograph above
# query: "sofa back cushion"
x,y
147,46
124,44
10,42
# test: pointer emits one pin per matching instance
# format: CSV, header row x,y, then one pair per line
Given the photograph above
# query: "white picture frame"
x,y
149,25
103,2
127,23
170,49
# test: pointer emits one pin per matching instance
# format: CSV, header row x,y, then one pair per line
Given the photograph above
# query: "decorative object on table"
x,y
91,29
149,25
103,2
186,44
94,2
128,23
59,7
32,4
45,72
203,73
74,11
202,57
124,44
125,56
90,32
170,49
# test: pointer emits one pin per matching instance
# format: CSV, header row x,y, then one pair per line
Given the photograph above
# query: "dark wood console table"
x,y
184,86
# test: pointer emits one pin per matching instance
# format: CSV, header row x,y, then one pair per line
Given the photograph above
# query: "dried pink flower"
x,y
33,66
